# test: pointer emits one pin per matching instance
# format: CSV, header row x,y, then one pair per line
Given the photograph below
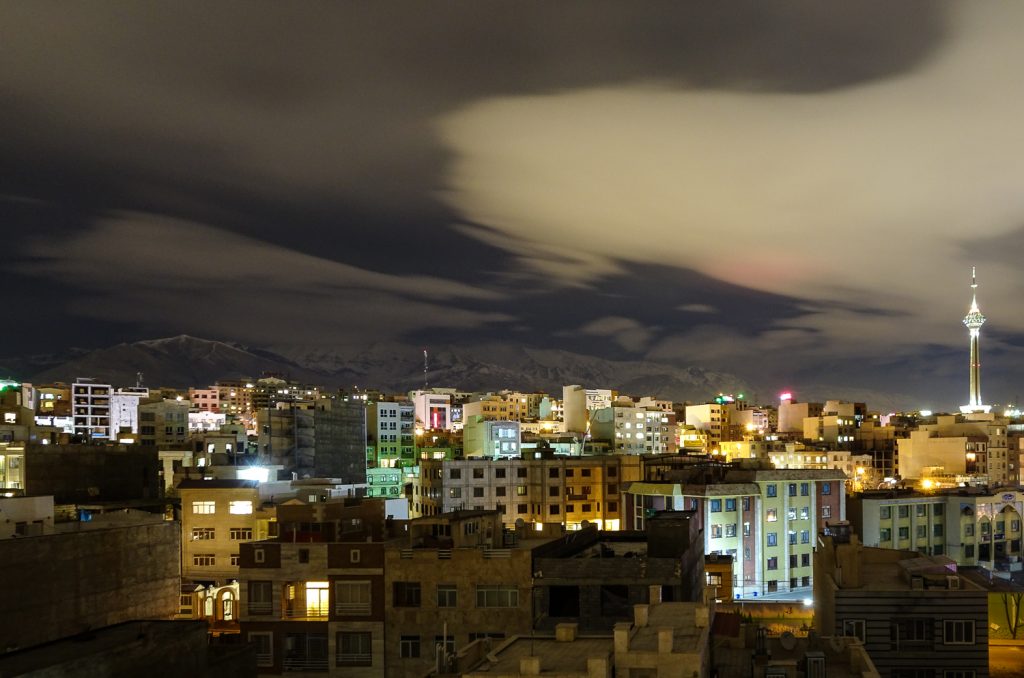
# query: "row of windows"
x,y
885,533
803,561
210,507
917,631
210,560
805,537
772,515
522,472
903,511
771,489
210,533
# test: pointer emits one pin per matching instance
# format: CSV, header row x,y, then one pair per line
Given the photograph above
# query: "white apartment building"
x,y
635,430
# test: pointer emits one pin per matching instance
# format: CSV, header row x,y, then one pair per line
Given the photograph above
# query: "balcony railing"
x,y
352,608
305,613
355,659
264,659
304,664
497,553
261,608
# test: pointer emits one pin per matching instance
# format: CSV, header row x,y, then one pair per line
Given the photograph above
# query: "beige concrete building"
x,y
217,516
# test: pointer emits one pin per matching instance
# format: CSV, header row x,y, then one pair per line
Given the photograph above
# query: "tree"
x,y
1012,607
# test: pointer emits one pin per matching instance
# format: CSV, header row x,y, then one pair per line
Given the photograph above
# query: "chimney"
x,y
665,640
622,637
529,666
655,594
597,667
640,614
565,633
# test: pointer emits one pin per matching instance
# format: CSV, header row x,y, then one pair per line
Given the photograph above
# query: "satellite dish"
x,y
787,640
520,523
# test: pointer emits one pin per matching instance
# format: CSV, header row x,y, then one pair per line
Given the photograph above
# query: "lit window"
x,y
239,507
204,507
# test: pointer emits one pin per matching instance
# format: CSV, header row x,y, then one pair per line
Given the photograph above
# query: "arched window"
x,y
208,606
228,605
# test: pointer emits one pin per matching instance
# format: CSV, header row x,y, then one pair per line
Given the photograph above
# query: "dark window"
x,y
499,473
407,594
826,488
520,472
354,648
553,472
409,647
478,473
303,555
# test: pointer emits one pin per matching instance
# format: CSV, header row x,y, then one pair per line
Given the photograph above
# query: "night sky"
x,y
791,192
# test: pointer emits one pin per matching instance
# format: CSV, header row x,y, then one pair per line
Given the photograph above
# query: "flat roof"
x,y
555,656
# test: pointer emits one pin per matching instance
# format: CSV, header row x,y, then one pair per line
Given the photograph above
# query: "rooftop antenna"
x,y
425,369
138,379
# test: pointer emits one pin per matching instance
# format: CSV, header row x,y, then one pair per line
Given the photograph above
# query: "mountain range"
x,y
184,361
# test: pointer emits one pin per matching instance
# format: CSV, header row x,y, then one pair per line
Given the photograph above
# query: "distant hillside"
x,y
183,361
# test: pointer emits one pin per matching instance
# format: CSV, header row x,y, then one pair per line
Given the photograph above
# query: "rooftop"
x,y
555,656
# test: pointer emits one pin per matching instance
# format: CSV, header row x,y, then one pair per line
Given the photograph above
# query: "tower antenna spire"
x,y
973,321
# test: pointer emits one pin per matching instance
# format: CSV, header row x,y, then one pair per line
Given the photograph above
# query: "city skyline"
x,y
754,197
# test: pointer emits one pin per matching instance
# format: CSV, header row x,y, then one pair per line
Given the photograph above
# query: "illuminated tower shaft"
x,y
974,320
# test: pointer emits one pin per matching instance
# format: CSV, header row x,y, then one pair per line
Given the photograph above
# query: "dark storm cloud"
x,y
314,129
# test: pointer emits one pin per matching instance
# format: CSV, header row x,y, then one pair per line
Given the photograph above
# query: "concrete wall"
x,y
85,473
64,584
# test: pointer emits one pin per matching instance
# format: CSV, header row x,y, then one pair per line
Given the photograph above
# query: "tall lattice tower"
x,y
974,320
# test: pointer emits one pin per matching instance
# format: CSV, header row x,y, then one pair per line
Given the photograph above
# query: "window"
x,y
497,596
203,533
520,473
455,473
805,560
958,632
730,504
553,472
793,560
499,491
771,490
303,555
826,488
585,472
922,531
455,492
520,490
805,489
792,489
499,473
354,648
969,530
746,553
904,632
773,563
236,560
773,539
805,536
885,512
826,511
1014,526
479,491
447,595
937,510
204,560
204,507
553,491
921,510
885,534
730,530
746,529
746,503
240,533
553,510
716,531
614,489
716,505
264,642
409,647
792,537
805,513
478,473
406,593
771,515
240,508
904,533
352,597
791,513
969,551
355,555
903,511
855,628
522,508
612,472
613,506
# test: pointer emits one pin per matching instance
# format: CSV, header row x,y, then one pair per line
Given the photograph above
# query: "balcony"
x,y
355,659
261,608
304,664
303,612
